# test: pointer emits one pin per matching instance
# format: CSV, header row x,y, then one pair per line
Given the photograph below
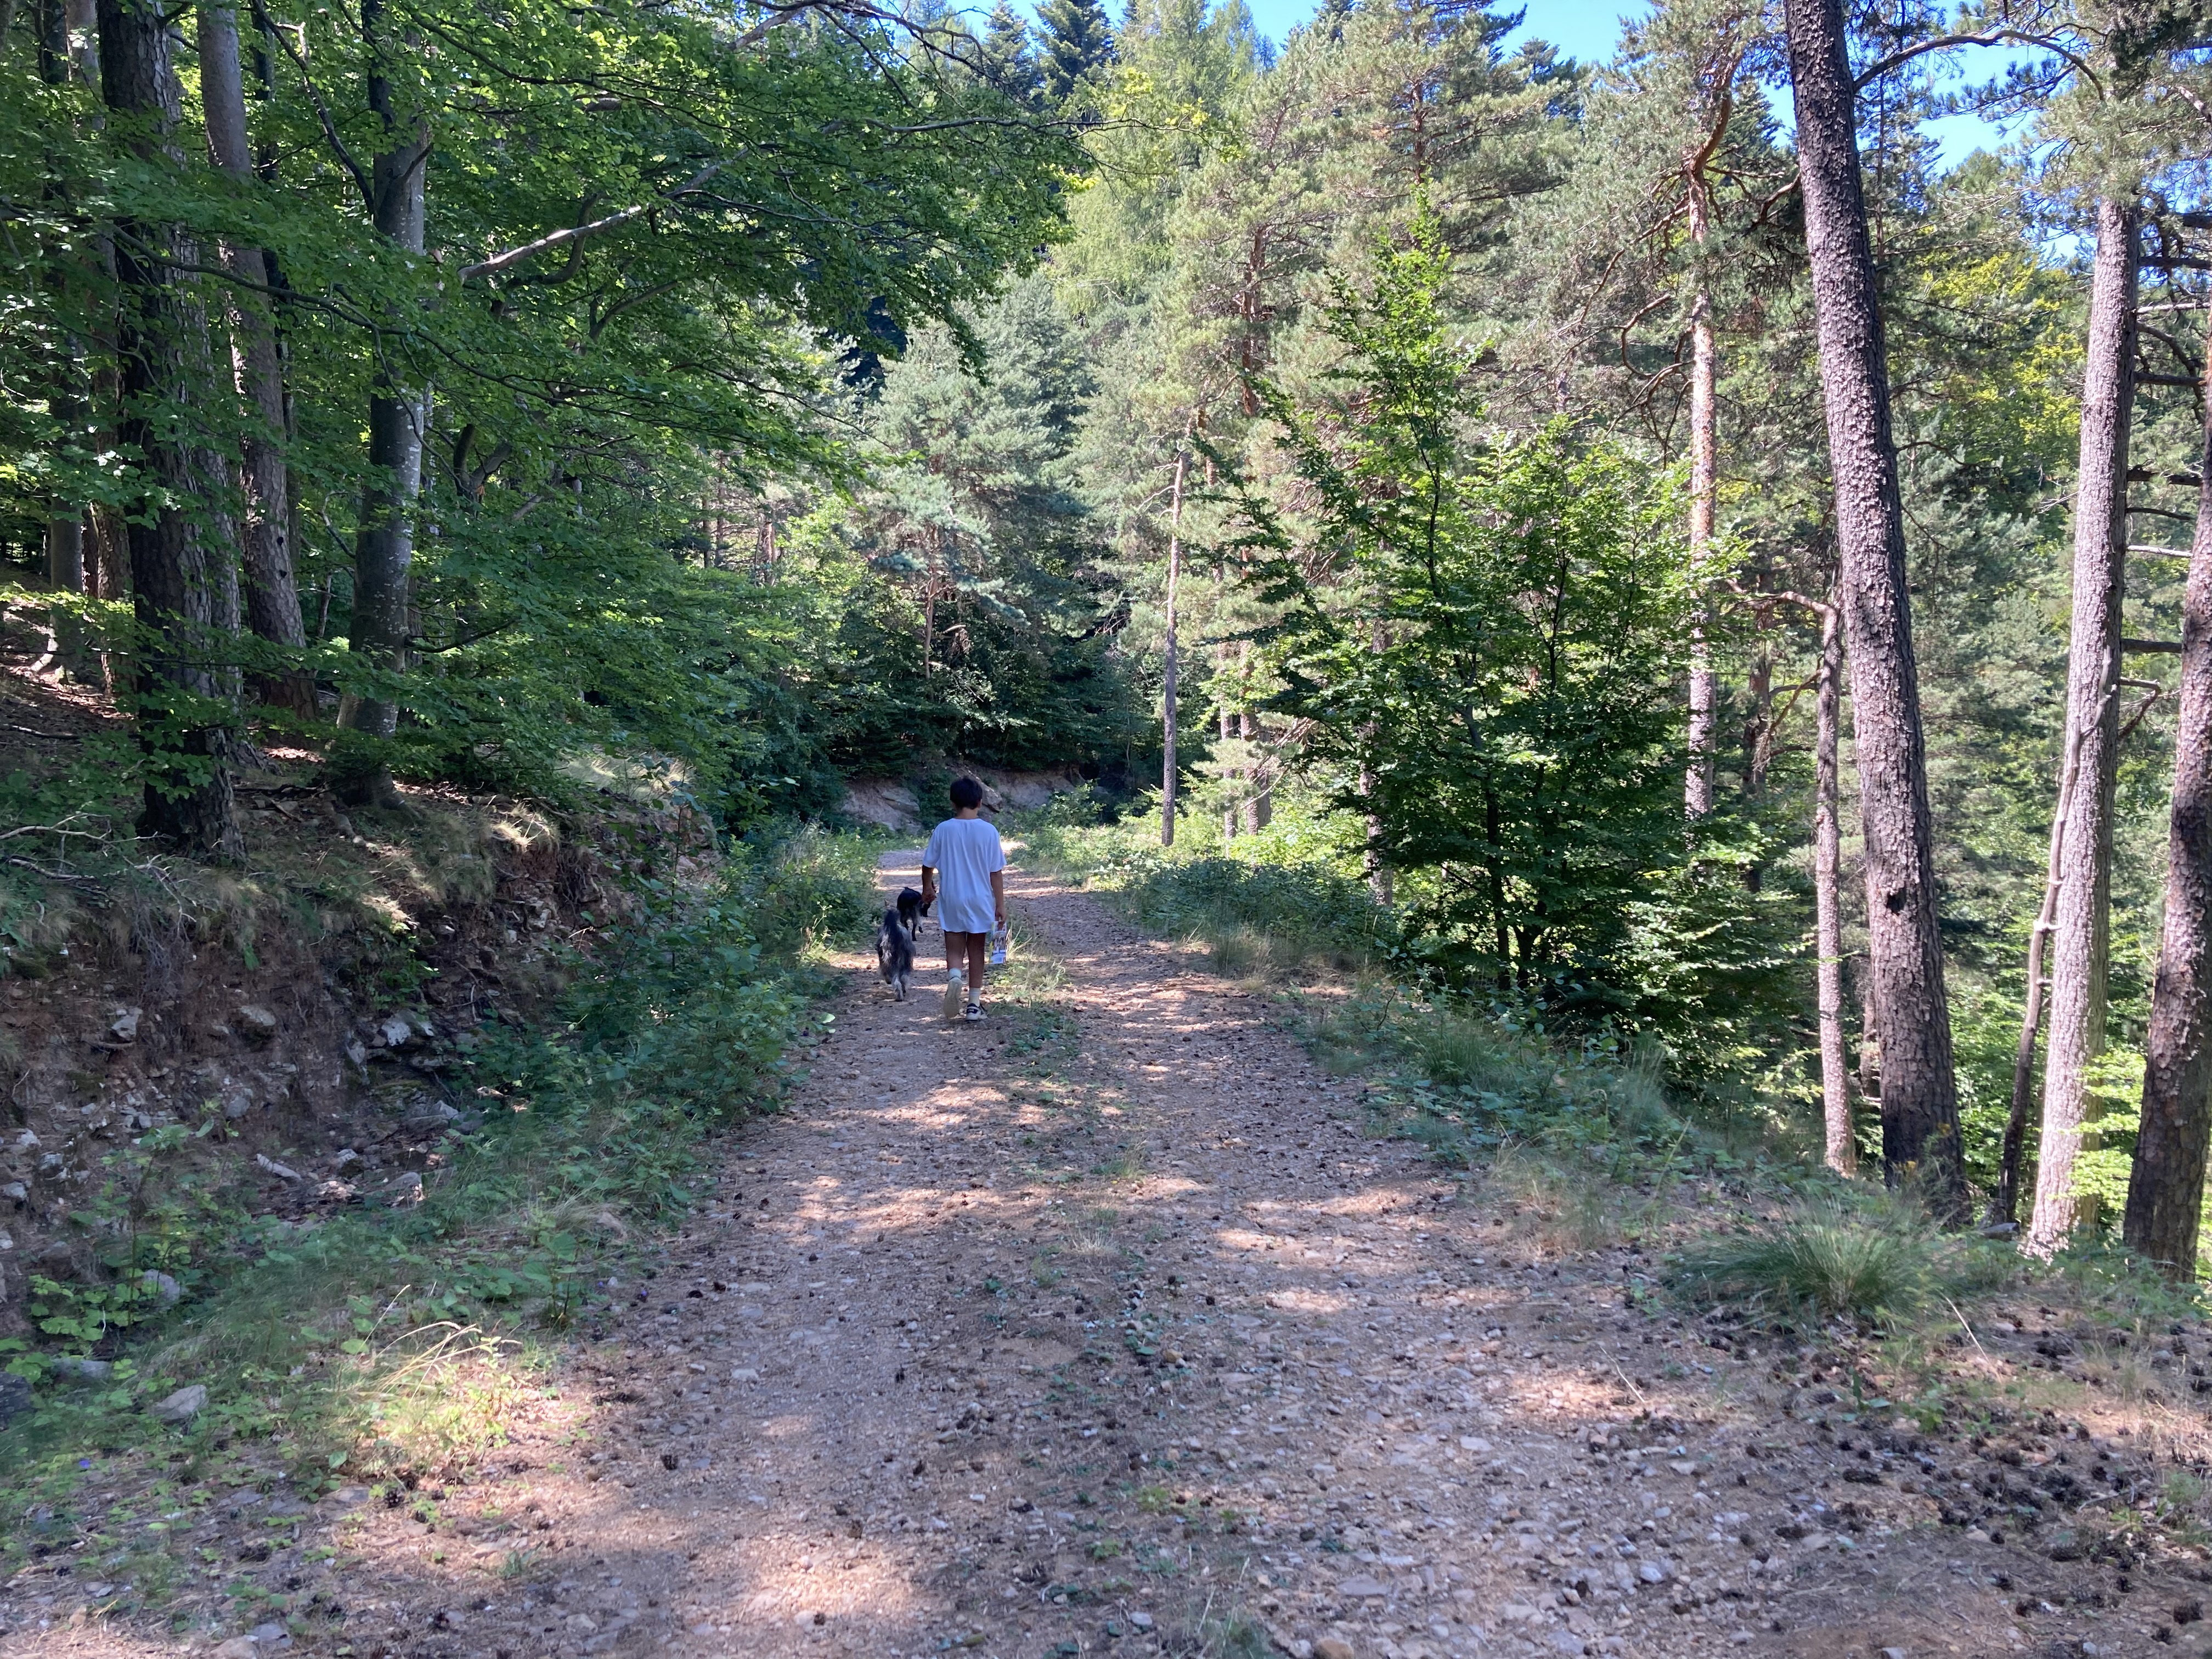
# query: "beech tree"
x,y
271,589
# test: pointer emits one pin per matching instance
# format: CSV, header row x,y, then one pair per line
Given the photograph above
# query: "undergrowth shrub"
x,y
1258,918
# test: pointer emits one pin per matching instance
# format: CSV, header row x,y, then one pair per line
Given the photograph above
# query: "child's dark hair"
x,y
967,794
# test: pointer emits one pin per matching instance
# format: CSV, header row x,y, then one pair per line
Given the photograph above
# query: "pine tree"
x,y
1009,61
1076,45
1919,1095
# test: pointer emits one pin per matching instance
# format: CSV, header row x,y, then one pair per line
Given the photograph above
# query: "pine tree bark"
x,y
1842,1153
2081,874
178,575
2166,1188
1705,468
384,549
1919,1099
271,591
1167,776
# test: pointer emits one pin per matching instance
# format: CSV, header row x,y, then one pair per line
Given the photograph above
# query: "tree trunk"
x,y
383,551
1828,900
1759,722
1919,1098
67,402
2006,1206
2081,923
272,594
1704,467
1381,882
176,577
1232,776
1168,779
1869,1066
2166,1189
1259,799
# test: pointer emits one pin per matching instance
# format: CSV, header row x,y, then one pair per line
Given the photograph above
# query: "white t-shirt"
x,y
964,852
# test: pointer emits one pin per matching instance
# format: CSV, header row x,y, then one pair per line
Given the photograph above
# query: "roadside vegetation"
x,y
390,1340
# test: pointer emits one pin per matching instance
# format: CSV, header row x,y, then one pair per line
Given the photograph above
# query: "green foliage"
x,y
1076,43
1486,655
977,627
768,212
1275,905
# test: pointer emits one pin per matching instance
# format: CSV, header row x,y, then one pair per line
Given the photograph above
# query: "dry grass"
x,y
439,1399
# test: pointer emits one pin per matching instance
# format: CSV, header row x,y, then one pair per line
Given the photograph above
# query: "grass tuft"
x,y
1822,1259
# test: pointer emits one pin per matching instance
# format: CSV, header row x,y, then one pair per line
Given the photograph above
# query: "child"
x,y
965,851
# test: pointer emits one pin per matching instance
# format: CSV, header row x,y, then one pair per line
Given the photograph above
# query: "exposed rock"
x,y
887,804
183,1406
164,1289
282,1172
82,1370
257,1022
123,1024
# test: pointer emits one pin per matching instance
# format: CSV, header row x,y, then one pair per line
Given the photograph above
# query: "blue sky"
x,y
1589,30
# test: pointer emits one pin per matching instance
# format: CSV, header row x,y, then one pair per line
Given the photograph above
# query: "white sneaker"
x,y
956,992
975,1014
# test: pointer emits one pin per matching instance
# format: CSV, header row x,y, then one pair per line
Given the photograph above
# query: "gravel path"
x,y
1105,1328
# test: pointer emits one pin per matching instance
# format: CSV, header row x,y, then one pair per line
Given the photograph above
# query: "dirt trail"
x,y
1105,1328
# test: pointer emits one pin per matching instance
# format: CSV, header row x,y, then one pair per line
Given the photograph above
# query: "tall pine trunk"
x,y
2166,1189
1168,777
1842,1155
272,594
2081,871
384,550
178,573
1705,469
1919,1098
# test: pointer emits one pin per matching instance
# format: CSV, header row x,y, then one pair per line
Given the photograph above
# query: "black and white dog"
x,y
895,951
911,909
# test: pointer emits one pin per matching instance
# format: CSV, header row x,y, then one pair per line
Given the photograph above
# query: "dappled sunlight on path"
x,y
1107,1327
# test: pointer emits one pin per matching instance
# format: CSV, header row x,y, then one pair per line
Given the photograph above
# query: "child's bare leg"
x,y
978,953
955,949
